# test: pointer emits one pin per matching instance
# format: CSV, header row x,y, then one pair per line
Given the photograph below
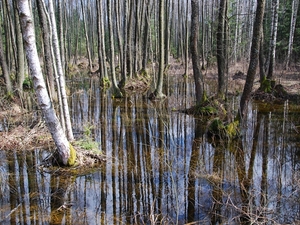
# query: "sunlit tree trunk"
x,y
117,93
272,51
47,48
101,42
158,94
61,36
254,56
119,20
295,5
60,73
67,154
194,51
86,37
145,48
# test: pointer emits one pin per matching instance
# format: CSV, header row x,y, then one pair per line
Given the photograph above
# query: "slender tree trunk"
x,y
158,94
67,154
194,51
11,48
117,92
4,67
129,58
101,42
61,33
295,5
254,56
47,48
145,49
60,73
20,52
186,53
262,72
86,38
203,37
221,47
120,38
275,5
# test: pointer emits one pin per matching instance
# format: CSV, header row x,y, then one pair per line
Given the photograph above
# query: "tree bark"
x,y
194,51
20,52
275,5
117,92
4,67
295,5
101,42
47,48
67,154
158,94
86,37
221,47
254,56
60,73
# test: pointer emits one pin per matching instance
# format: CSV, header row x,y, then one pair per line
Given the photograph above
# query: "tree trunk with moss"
x,y
67,154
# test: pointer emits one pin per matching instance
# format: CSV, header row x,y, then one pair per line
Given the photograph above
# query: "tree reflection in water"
x,y
161,168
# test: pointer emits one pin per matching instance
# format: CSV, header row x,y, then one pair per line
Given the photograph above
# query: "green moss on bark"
x,y
72,158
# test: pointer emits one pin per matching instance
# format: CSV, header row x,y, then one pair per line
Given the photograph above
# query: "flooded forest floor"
x,y
24,129
159,165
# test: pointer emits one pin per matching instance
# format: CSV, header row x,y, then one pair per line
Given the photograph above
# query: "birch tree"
x,y
272,50
117,91
47,48
67,154
60,72
158,94
295,5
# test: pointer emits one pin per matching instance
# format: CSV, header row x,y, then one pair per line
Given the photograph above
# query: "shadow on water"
x,y
161,168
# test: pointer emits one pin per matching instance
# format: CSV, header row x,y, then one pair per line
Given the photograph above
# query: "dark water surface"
x,y
161,168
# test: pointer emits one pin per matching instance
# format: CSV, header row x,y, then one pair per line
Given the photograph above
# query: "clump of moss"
x,y
216,126
72,158
266,85
105,82
28,84
232,129
219,129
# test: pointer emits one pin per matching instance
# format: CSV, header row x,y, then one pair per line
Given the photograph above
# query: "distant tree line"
x,y
126,34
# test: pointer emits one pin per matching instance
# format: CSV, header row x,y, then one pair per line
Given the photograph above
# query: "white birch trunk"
x,y
43,98
295,5
273,40
60,73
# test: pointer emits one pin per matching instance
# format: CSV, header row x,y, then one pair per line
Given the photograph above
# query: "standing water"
x,y
161,168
